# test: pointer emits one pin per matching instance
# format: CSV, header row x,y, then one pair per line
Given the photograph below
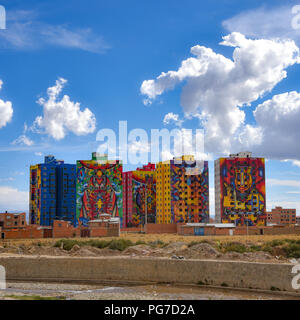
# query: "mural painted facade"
x,y
99,189
182,191
52,192
35,195
189,192
140,196
242,191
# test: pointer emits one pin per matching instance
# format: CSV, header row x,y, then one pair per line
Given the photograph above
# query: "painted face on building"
x,y
243,179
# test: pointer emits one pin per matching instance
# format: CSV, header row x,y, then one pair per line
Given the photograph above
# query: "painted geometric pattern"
x,y
243,197
35,194
99,190
189,192
143,194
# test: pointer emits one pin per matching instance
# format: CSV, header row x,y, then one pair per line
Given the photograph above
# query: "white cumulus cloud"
x,y
6,111
61,116
172,117
12,199
217,88
277,127
23,139
26,32
266,22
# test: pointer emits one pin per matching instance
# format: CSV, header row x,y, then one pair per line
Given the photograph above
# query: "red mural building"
x,y
139,196
240,190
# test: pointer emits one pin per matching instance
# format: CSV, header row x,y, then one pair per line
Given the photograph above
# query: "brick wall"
x,y
64,229
13,220
161,228
30,232
139,229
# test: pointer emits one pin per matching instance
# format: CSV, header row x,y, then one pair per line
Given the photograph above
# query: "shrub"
x,y
140,242
276,243
292,250
66,244
98,243
158,243
233,247
255,248
120,244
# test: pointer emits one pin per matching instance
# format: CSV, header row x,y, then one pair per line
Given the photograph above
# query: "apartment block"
x,y
12,220
182,193
52,192
139,196
240,196
66,193
281,215
99,188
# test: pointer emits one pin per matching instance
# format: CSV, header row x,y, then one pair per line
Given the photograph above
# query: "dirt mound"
x,y
75,248
176,246
200,251
83,252
11,249
233,256
106,252
89,251
139,250
102,252
44,251
258,256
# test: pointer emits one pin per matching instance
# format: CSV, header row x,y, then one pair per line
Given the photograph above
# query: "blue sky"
x,y
106,50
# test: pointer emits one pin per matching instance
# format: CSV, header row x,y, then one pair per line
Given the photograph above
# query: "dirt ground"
x,y
162,245
167,238
60,291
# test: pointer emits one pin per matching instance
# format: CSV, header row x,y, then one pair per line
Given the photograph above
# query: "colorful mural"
x,y
189,191
35,195
143,194
99,189
243,191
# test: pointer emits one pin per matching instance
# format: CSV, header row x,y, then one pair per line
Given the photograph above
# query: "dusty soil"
x,y
167,238
60,291
158,245
175,250
179,250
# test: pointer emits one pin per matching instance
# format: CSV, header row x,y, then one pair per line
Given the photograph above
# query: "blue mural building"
x,y
52,192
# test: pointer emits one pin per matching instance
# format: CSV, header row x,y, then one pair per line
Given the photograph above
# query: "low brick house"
x,y
281,216
104,226
10,221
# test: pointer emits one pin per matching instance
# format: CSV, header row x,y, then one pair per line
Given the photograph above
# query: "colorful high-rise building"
x,y
240,196
182,191
66,193
139,196
99,188
52,192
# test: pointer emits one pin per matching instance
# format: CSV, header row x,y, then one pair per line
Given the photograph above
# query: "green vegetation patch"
x,y
115,244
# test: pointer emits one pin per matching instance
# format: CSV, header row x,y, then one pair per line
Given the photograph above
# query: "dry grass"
x,y
166,238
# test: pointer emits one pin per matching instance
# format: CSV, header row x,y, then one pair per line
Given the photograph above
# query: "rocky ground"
x,y
272,252
176,250
54,291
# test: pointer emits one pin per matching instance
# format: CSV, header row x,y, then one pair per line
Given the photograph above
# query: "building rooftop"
x,y
216,225
244,154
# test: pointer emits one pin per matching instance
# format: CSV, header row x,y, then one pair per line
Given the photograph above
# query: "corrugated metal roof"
x,y
216,225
